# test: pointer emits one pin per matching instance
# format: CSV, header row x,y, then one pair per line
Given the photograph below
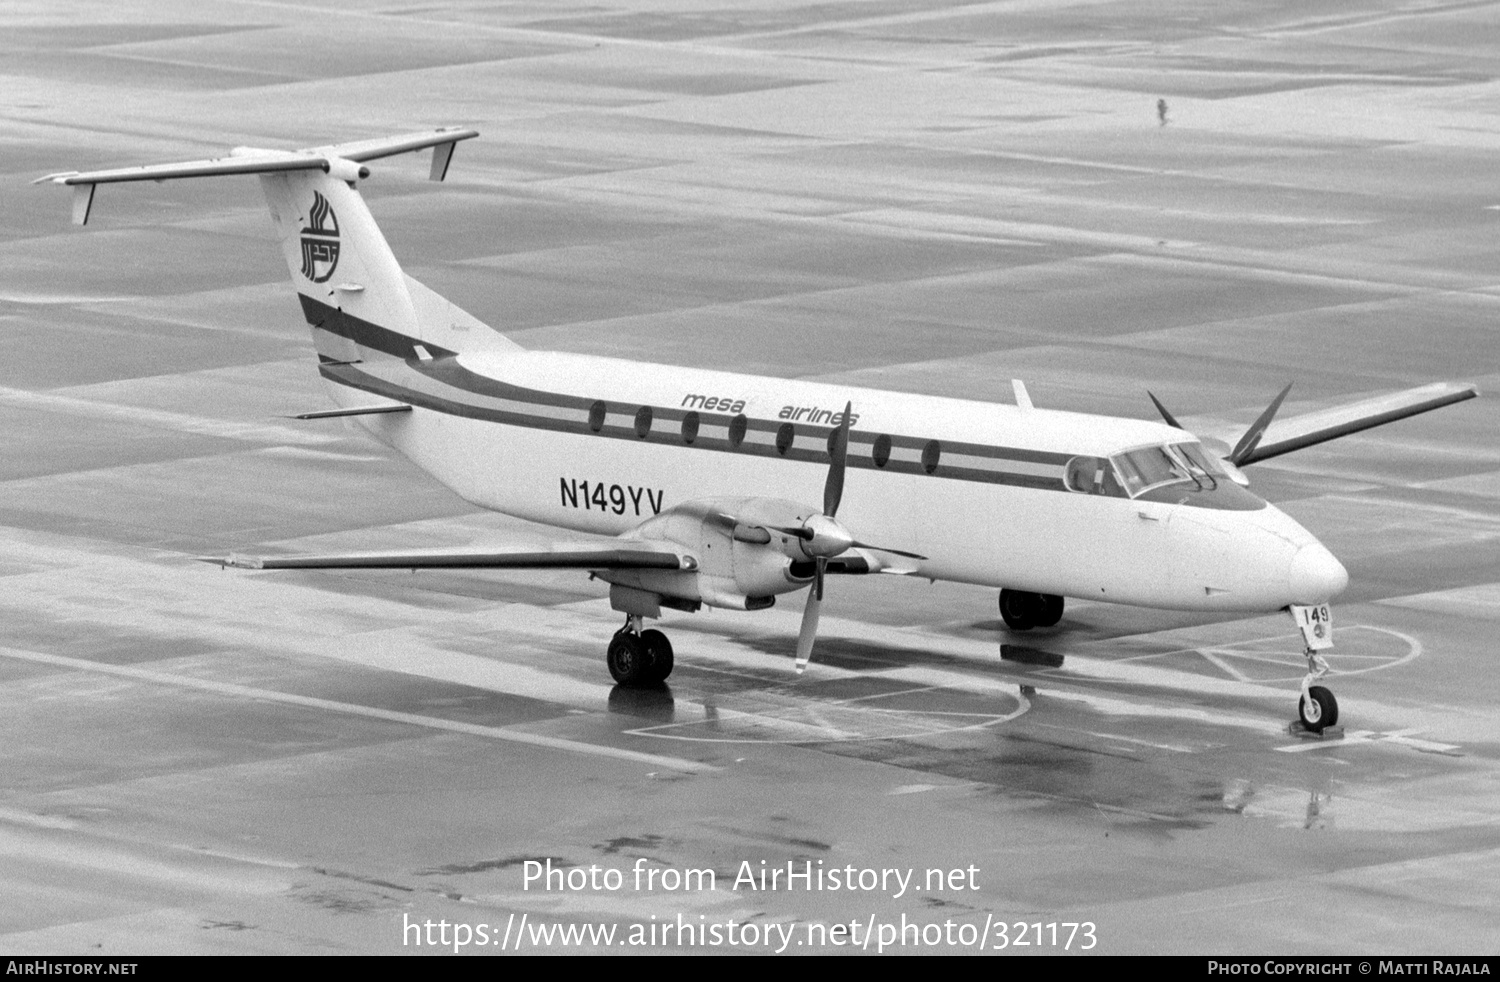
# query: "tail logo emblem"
x,y
320,241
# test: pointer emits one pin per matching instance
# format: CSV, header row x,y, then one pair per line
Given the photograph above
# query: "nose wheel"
x,y
637,657
1317,708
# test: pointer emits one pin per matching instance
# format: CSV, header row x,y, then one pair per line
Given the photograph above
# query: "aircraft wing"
x,y
859,562
1284,436
573,555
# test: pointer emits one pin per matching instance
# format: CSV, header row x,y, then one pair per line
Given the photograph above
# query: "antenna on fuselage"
x,y
1023,398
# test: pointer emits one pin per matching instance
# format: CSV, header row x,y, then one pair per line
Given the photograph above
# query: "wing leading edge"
x,y
1267,438
571,556
1313,428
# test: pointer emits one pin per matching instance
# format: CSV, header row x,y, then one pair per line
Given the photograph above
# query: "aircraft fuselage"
x,y
982,490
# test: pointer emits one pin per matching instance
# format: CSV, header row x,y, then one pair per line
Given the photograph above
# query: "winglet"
x,y
442,155
83,194
83,202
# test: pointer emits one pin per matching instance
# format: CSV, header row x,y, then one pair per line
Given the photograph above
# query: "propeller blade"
x,y
1165,413
809,631
797,532
833,488
1252,436
820,569
893,552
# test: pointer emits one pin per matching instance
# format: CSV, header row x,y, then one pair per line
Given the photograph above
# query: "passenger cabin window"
x,y
737,427
931,454
643,422
596,416
785,434
881,451
690,426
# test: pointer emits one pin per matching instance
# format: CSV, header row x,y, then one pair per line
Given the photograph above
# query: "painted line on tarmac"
x,y
1402,738
430,722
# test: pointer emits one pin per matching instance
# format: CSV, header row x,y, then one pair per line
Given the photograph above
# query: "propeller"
x,y
1244,450
823,538
1166,414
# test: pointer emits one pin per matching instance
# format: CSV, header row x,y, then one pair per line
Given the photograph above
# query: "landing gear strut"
x,y
638,657
1022,611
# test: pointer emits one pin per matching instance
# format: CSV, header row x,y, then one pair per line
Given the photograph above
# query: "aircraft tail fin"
x,y
359,303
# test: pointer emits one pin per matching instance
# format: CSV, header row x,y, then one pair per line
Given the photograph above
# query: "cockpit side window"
x,y
1149,467
1092,475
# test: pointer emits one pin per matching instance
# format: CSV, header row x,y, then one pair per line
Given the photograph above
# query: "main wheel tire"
x,y
1018,609
1319,709
629,661
660,650
1050,610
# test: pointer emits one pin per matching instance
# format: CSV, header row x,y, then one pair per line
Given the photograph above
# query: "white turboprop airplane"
x,y
702,476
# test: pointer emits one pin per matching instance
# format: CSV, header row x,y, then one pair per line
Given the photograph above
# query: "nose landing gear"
x,y
1317,709
637,657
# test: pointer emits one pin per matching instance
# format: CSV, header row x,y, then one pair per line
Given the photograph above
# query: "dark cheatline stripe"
x,y
452,373
353,377
445,369
364,333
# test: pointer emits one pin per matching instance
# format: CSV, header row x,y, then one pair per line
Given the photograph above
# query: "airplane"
x,y
701,478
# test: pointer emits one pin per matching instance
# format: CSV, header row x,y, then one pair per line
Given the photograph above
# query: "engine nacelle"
x,y
742,563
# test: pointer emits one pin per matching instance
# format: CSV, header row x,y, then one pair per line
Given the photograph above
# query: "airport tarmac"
x,y
902,194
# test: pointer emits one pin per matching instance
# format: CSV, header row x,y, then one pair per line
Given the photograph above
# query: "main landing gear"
x,y
639,657
1023,611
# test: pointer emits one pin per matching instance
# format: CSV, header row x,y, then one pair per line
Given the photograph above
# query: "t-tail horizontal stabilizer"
x,y
341,160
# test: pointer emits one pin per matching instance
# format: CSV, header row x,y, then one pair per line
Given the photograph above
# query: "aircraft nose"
x,y
1315,575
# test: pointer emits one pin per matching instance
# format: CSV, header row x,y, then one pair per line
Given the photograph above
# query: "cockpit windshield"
x,y
1178,463
1199,462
